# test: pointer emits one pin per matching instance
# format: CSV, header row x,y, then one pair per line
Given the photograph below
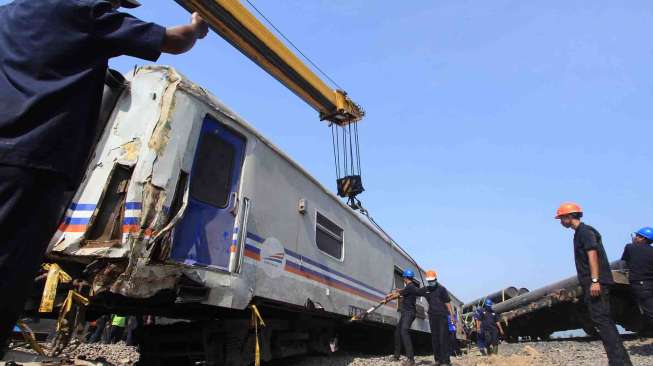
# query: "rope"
x,y
358,153
257,321
293,45
344,150
28,335
335,153
351,151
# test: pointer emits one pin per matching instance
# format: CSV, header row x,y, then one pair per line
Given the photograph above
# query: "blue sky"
x,y
482,116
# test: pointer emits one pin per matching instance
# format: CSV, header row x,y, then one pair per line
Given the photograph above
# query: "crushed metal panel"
x,y
119,144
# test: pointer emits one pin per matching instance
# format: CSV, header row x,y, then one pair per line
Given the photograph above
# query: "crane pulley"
x,y
346,153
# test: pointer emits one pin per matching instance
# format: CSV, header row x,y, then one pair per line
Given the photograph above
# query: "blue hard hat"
x,y
646,232
488,302
408,273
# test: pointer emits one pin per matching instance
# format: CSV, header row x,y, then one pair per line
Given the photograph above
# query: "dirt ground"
x,y
551,353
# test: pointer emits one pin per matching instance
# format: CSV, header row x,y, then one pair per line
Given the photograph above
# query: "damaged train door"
x,y
203,236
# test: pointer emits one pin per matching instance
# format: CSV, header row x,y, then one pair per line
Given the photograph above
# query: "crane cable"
x,y
347,161
293,45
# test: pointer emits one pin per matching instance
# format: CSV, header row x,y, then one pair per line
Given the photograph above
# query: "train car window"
x,y
329,237
211,175
399,279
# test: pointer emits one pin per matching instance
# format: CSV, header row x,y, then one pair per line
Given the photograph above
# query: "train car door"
x,y
204,234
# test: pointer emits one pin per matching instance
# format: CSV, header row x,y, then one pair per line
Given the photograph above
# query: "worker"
x,y
480,341
53,60
595,278
488,327
118,324
440,308
407,308
98,330
639,259
454,346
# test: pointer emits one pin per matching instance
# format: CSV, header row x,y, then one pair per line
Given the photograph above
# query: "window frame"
x,y
342,257
232,167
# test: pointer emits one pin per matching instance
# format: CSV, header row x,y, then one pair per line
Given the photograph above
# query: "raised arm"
x,y
182,38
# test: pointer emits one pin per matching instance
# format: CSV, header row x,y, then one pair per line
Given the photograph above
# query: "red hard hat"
x,y
568,208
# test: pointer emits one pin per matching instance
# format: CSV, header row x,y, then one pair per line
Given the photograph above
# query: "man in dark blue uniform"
x,y
488,327
53,60
440,312
407,309
595,278
639,260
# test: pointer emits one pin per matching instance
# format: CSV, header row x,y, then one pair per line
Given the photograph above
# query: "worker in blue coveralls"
x,y
408,309
454,347
53,61
480,342
638,256
488,327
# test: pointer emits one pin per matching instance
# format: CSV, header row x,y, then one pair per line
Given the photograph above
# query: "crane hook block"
x,y
350,186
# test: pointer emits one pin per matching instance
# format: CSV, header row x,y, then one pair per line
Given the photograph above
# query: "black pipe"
x,y
496,297
529,297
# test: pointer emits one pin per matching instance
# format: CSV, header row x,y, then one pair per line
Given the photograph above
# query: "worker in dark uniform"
x,y
488,327
480,341
53,60
440,308
639,258
407,310
595,278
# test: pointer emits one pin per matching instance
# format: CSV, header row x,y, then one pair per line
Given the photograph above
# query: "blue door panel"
x,y
203,236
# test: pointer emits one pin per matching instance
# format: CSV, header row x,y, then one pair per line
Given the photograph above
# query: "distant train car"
x,y
186,211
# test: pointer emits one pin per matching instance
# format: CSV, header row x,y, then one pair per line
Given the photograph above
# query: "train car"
x,y
187,211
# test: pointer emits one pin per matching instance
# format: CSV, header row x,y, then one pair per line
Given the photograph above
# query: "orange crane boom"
x,y
233,22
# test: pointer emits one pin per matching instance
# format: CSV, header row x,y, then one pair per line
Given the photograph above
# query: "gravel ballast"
x,y
550,353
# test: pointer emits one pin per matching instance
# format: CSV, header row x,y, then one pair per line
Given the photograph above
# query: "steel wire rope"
x,y
358,153
344,150
335,154
351,150
293,45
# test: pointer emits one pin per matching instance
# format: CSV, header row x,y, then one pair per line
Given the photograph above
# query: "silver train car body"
x,y
182,195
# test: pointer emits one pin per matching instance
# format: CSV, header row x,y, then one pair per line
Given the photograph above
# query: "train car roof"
x,y
207,97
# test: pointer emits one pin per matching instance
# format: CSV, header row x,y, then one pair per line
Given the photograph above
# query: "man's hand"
x,y
182,38
595,289
201,28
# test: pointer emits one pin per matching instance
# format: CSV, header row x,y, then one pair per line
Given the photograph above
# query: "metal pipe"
x,y
496,297
532,296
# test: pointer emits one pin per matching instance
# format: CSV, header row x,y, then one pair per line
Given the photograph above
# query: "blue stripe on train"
x,y
133,206
76,220
322,266
82,206
312,262
130,221
330,279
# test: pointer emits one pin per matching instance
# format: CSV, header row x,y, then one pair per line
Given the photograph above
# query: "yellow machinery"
x,y
233,22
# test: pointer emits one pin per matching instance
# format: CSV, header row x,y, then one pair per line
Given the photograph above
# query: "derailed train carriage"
x,y
186,211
